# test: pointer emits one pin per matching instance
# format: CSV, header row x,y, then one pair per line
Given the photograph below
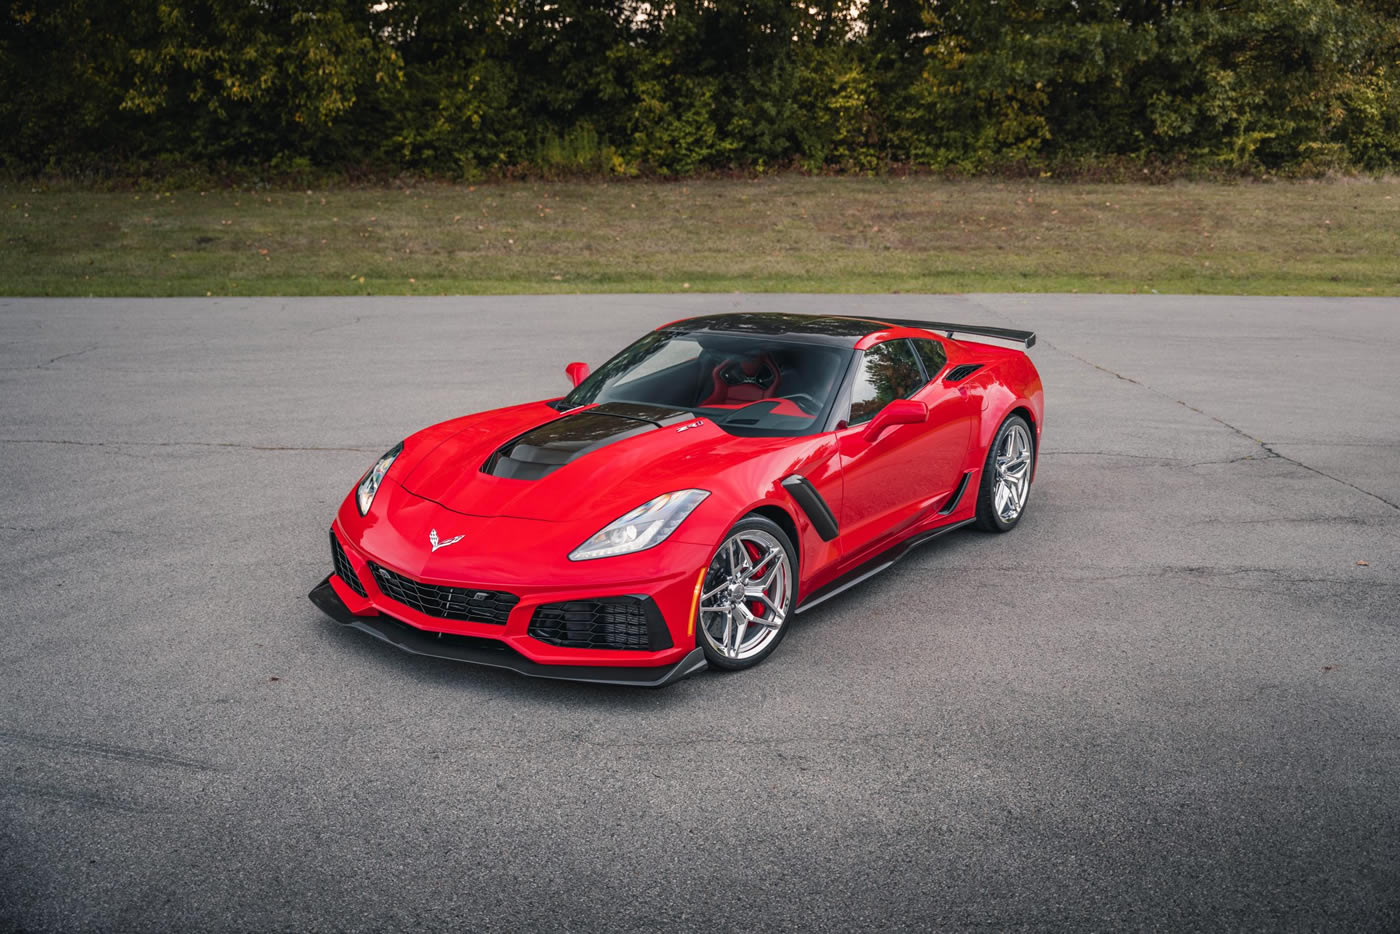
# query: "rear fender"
x,y
1010,385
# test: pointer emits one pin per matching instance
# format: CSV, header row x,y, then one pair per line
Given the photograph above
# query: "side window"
x,y
887,371
932,354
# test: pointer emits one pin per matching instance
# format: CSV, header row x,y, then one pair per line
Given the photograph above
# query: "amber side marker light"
x,y
695,601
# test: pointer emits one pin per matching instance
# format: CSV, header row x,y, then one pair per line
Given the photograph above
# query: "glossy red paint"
x,y
577,372
516,535
898,412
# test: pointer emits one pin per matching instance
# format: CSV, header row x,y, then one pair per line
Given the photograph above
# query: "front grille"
x,y
611,623
343,570
464,604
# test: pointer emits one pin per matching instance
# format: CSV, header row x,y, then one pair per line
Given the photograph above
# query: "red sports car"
x,y
685,501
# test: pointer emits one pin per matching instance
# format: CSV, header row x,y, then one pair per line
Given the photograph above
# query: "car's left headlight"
x,y
364,493
643,527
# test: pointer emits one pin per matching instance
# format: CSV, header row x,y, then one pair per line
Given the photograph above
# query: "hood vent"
x,y
543,450
961,372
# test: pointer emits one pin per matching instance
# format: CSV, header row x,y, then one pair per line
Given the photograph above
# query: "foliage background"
x,y
472,88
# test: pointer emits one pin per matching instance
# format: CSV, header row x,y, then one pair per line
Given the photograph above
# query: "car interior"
x,y
766,385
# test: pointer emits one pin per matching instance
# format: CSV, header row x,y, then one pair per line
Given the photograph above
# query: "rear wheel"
x,y
748,594
1006,477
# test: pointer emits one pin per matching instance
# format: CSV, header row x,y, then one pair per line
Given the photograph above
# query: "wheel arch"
x,y
1013,387
1025,412
784,520
723,655
1005,405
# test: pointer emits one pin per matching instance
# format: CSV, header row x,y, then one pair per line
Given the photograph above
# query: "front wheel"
x,y
1006,477
748,594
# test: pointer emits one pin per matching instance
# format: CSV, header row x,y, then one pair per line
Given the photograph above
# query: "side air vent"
x,y
961,372
343,568
606,623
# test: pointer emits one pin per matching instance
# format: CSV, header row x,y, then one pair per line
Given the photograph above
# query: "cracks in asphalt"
x,y
1342,444
1268,448
1202,573
1344,520
1141,457
341,324
1232,460
65,356
57,529
1156,459
236,445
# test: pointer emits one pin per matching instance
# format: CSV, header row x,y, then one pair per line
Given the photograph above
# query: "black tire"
x,y
758,526
988,518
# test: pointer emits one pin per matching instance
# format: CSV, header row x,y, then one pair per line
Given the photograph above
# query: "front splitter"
x,y
493,653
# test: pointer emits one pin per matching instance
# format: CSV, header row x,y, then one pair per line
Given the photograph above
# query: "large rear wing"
x,y
1024,340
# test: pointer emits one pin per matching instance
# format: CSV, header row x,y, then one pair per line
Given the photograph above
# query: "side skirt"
x,y
876,564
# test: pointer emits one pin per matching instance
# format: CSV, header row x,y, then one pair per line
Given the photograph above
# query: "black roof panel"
x,y
837,329
825,328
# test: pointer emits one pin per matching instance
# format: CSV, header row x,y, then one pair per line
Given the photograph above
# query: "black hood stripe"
x,y
543,450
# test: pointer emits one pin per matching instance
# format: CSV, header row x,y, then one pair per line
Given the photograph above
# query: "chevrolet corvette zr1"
x,y
687,499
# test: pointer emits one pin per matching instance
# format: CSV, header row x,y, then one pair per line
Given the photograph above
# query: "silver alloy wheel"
x,y
1012,484
747,589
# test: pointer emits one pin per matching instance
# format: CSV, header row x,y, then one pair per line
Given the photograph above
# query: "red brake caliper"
x,y
755,607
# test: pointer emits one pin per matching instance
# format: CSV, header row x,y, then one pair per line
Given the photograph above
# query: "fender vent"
x,y
961,372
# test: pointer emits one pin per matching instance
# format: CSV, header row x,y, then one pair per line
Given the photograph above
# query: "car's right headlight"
x,y
643,527
364,493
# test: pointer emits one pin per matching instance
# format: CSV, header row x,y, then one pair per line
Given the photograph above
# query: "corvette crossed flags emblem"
x,y
433,540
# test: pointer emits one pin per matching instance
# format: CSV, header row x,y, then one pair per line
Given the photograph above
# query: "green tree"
x,y
258,80
466,87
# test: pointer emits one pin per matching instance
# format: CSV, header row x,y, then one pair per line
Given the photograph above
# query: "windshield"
x,y
747,384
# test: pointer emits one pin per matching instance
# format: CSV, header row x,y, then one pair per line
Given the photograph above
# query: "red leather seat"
x,y
744,383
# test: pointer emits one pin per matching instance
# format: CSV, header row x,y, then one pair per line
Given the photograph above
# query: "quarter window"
x,y
887,372
932,354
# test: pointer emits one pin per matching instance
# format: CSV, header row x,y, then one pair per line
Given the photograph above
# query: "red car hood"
x,y
533,462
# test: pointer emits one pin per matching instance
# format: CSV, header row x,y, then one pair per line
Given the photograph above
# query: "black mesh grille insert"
x,y
961,372
613,623
343,570
464,604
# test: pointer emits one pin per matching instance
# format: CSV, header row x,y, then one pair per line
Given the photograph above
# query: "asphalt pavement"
x,y
1170,699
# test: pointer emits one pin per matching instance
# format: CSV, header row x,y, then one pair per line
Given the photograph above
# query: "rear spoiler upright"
x,y
1024,340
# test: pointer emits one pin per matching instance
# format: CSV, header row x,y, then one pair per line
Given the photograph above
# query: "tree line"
x,y
472,88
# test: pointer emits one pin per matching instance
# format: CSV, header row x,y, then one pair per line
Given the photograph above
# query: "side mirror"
x,y
898,412
577,372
